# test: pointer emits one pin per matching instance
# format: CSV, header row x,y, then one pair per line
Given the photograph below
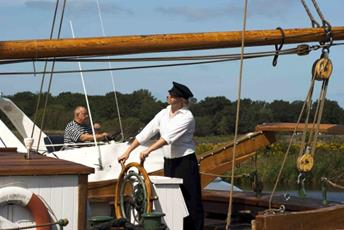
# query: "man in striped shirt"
x,y
79,130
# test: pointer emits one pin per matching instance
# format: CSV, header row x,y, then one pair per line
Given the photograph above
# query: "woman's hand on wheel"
x,y
123,158
144,154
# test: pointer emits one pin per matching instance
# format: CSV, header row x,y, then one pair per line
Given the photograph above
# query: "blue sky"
x,y
289,80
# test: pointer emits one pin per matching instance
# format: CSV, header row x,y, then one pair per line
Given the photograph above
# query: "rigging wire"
x,y
313,21
162,59
100,162
51,77
317,8
308,102
325,24
229,214
146,66
309,92
43,77
112,76
320,105
118,68
313,134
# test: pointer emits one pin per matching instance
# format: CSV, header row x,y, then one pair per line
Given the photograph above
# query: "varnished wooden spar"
x,y
290,127
157,43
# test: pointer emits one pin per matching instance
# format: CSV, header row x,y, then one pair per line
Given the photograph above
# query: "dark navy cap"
x,y
180,90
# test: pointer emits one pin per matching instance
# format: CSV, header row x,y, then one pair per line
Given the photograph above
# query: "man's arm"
x,y
89,137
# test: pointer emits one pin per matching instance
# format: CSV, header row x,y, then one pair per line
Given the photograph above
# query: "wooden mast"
x,y
157,43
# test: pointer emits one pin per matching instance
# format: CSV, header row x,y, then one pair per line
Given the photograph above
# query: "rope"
x,y
300,49
316,6
50,79
321,101
313,134
333,184
143,67
312,139
45,68
88,107
229,214
278,47
325,24
322,96
112,76
224,176
289,146
313,22
309,106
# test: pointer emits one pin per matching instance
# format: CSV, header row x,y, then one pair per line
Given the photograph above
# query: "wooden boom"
x,y
157,43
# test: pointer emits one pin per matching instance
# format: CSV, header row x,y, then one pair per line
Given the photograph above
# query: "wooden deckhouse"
x,y
61,184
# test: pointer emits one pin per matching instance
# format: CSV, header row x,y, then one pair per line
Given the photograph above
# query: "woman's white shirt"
x,y
176,130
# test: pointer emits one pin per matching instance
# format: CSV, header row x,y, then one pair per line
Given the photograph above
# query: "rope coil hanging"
x,y
278,47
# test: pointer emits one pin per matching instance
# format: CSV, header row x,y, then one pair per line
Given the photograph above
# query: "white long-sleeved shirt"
x,y
176,130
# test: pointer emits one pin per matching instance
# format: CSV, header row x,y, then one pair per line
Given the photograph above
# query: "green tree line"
x,y
214,115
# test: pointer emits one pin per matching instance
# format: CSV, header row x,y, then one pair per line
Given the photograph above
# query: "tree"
x,y
213,115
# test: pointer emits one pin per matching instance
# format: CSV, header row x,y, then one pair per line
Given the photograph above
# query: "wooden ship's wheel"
x,y
133,193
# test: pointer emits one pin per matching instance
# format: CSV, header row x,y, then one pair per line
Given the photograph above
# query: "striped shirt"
x,y
74,130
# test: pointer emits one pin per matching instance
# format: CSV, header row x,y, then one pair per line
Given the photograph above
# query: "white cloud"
x,y
79,6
